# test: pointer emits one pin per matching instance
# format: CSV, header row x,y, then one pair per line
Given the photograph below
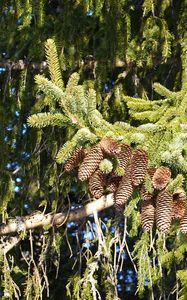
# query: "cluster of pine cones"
x,y
161,205
157,204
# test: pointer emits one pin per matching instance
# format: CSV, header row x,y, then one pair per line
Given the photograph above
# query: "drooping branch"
x,y
40,220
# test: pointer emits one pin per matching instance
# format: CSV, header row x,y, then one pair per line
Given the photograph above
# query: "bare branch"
x,y
89,63
23,64
8,242
39,219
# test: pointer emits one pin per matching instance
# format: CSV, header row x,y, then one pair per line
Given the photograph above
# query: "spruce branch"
x,y
82,136
152,116
91,100
65,151
52,90
45,119
72,82
82,106
141,255
55,219
162,90
106,166
53,63
49,88
97,121
175,184
142,103
161,111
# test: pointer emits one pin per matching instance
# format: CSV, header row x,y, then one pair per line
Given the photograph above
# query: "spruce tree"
x,y
93,102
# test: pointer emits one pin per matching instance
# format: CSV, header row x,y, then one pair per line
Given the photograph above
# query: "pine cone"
x,y
124,156
183,223
110,146
161,177
96,184
90,162
145,195
76,157
124,191
178,209
113,183
147,214
178,205
139,166
179,194
164,210
151,171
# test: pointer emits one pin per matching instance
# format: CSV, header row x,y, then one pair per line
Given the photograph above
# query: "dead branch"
x,y
7,243
88,62
53,219
23,64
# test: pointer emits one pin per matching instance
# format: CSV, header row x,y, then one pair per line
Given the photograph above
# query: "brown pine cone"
x,y
151,171
110,146
145,196
96,184
178,209
178,205
163,210
124,191
76,157
90,163
147,214
161,178
139,166
183,223
112,183
124,155
179,194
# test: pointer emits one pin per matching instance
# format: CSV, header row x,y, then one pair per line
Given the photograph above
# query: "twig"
x,y
6,83
130,256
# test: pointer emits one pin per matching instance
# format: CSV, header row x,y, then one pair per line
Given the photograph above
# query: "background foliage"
x,y
119,48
